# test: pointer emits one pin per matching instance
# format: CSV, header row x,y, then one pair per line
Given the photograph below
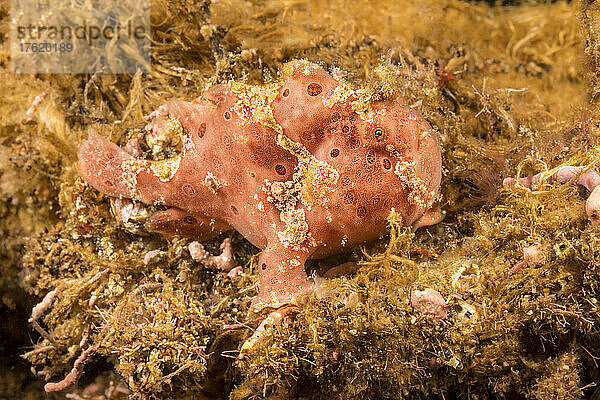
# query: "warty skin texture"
x,y
300,167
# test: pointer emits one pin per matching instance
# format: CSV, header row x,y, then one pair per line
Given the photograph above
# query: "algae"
x,y
512,90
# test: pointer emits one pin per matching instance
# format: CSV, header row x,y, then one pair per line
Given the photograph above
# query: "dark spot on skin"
x,y
335,116
334,153
361,211
280,169
189,190
189,220
314,89
202,129
378,133
370,156
306,136
387,164
286,93
227,115
263,266
345,129
110,156
354,143
234,209
349,198
108,183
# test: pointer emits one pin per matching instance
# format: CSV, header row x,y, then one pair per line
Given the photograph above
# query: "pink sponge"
x,y
301,167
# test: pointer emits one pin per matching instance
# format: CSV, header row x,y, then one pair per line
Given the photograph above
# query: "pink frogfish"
x,y
302,167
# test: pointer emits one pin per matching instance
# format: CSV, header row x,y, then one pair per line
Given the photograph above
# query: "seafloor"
x,y
512,90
